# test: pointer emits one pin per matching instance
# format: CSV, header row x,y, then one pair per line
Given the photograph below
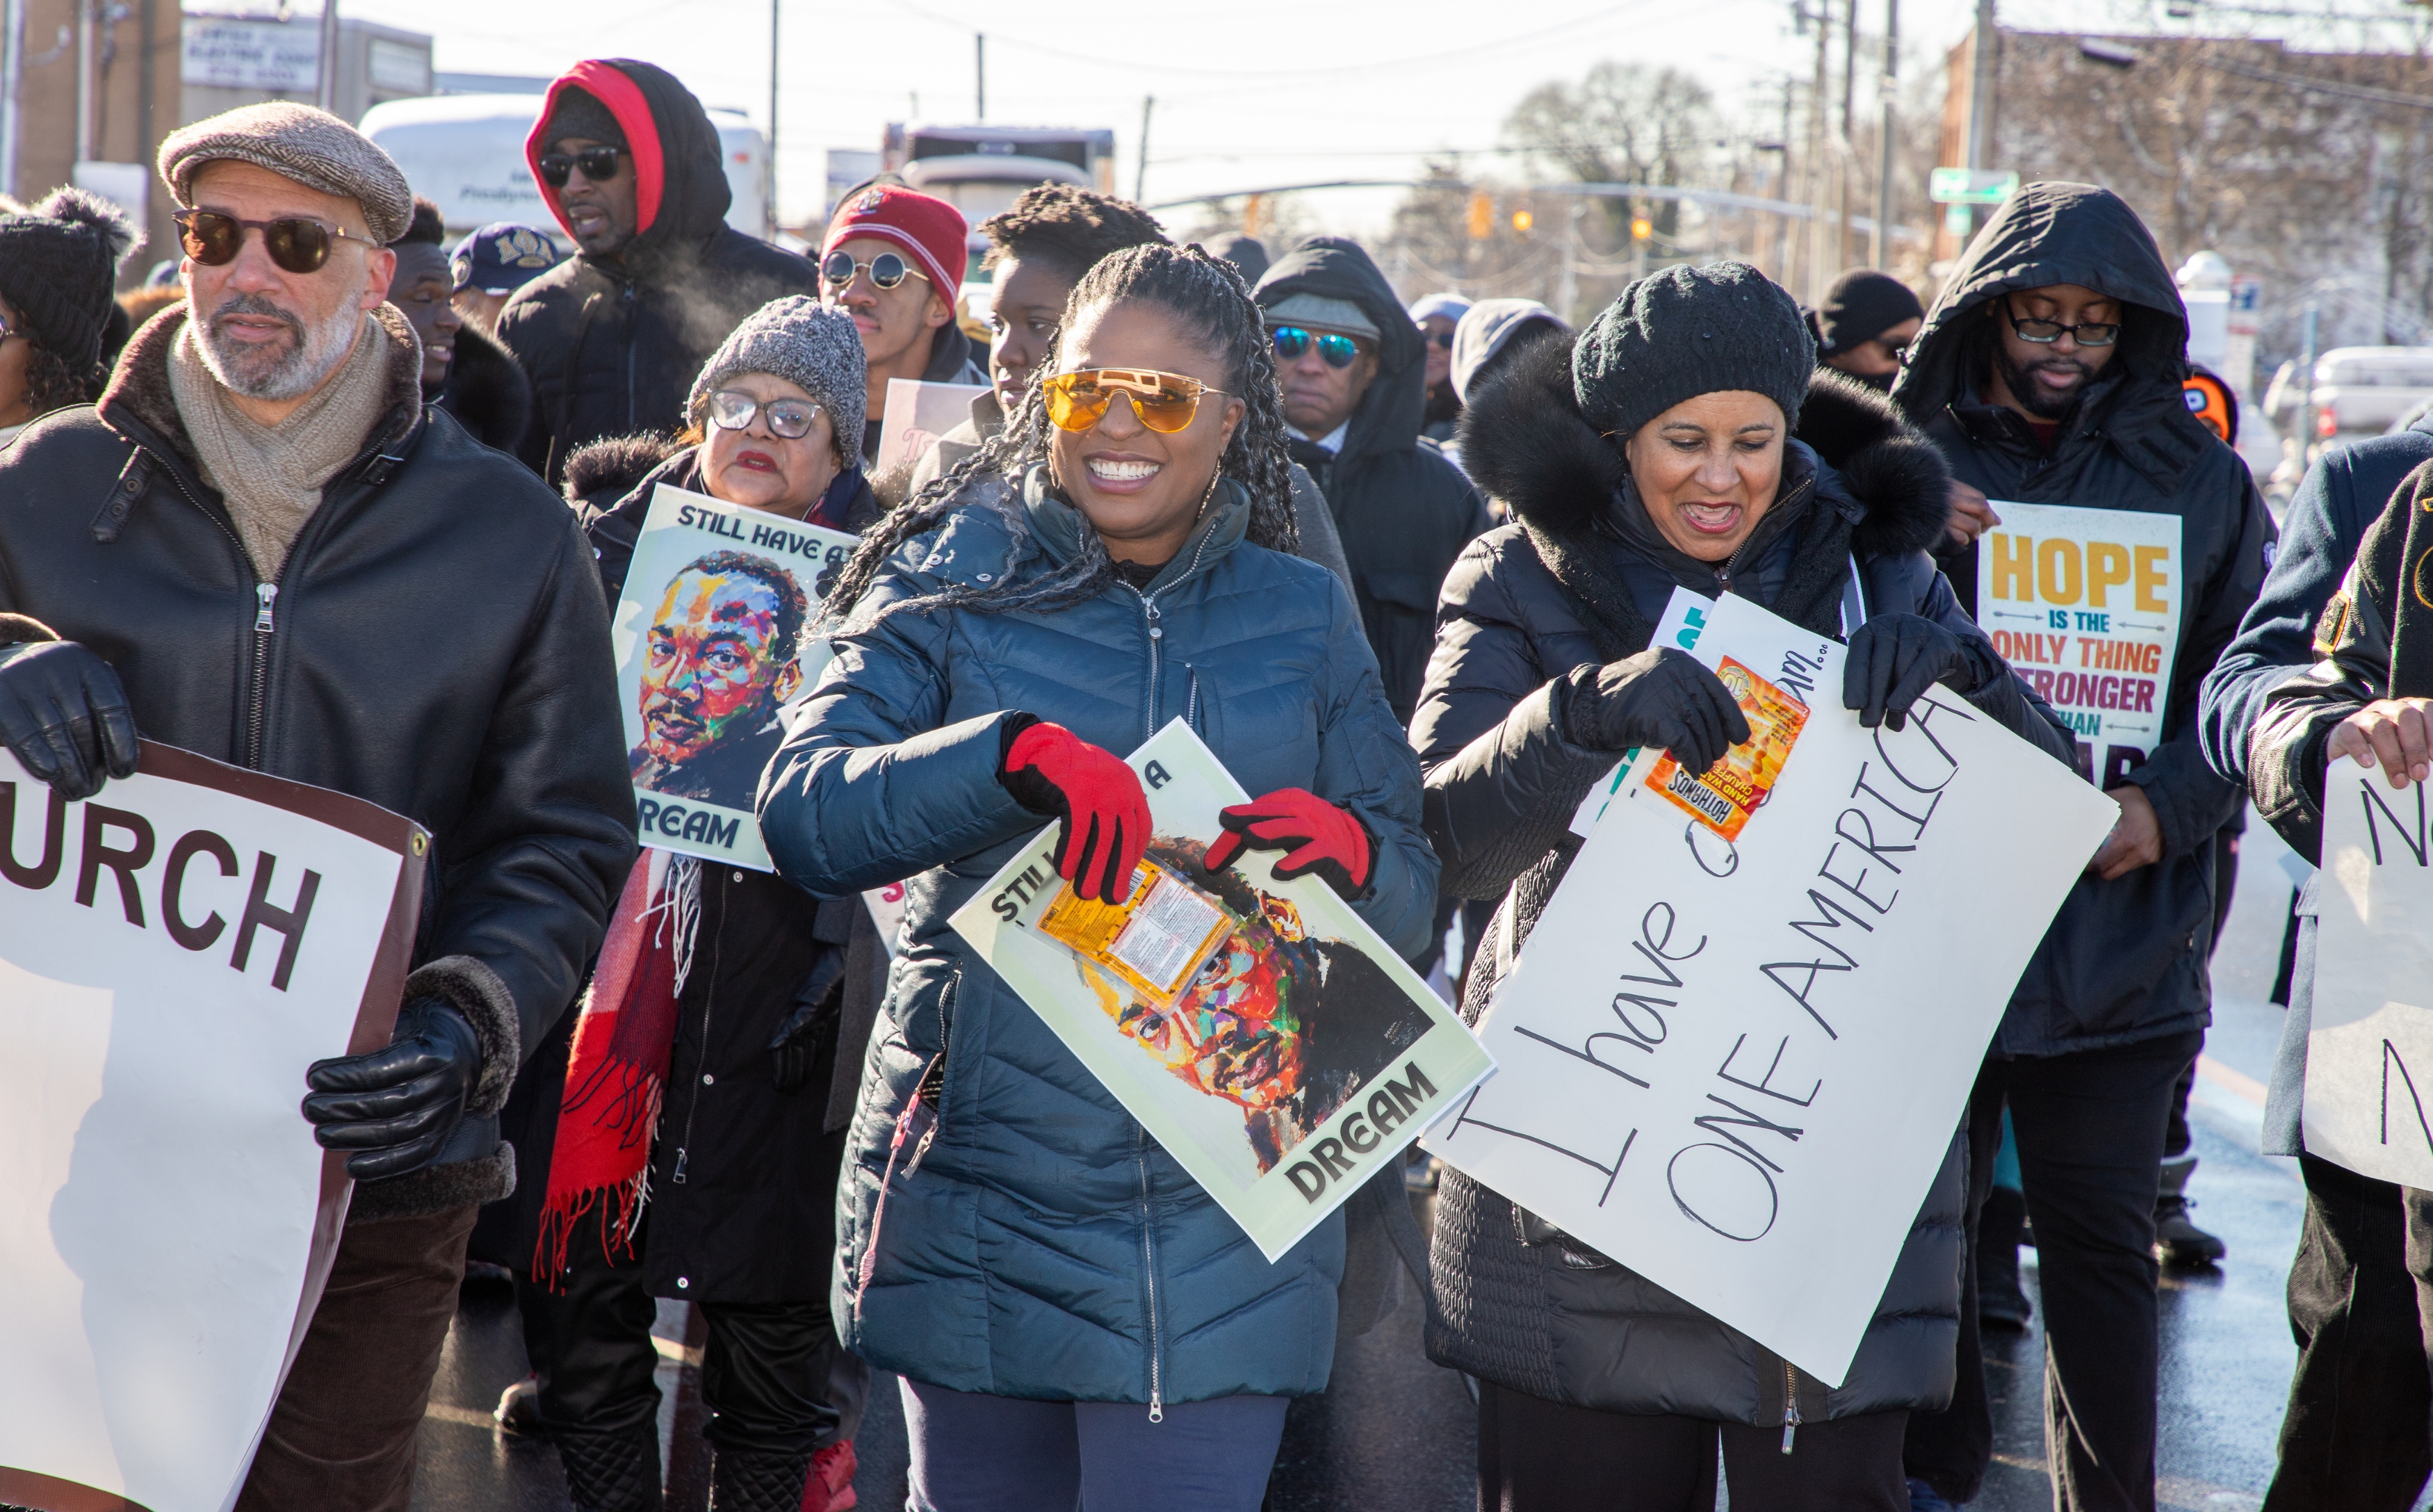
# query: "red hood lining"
x,y
615,89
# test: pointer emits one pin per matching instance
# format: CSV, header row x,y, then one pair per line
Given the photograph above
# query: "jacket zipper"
x,y
265,624
1157,632
1789,1403
1191,703
1731,564
1149,1253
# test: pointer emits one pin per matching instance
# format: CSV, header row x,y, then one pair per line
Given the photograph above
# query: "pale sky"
x,y
1249,92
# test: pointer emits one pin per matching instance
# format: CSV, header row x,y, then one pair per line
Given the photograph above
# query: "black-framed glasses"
x,y
886,270
295,243
734,410
599,165
1436,338
1339,350
2045,332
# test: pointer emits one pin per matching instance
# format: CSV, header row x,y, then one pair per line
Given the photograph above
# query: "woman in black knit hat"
x,y
1657,452
58,262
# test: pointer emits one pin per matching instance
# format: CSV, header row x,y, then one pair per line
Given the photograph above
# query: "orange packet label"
x,y
1724,798
1155,940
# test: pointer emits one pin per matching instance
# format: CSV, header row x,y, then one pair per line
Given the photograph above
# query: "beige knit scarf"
x,y
271,475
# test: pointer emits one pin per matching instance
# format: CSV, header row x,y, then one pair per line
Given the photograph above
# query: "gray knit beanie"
x,y
579,113
1690,330
812,345
313,147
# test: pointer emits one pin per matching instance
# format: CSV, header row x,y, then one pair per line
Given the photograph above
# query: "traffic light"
x,y
1482,217
1523,220
1642,227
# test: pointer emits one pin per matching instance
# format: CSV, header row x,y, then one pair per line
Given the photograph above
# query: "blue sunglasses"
x,y
1337,349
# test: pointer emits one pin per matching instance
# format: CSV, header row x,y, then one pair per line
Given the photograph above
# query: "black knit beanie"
x,y
58,262
579,113
1862,305
1690,330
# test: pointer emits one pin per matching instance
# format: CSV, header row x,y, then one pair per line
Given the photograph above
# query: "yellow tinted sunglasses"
x,y
1166,402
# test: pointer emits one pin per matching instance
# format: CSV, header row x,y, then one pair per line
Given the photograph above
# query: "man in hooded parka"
x,y
612,337
2115,1002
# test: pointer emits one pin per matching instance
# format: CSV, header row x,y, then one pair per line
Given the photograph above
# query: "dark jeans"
x,y
973,1453
2089,1129
2359,1433
1536,1456
342,1433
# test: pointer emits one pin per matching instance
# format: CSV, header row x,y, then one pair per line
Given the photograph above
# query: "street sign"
x,y
1971,186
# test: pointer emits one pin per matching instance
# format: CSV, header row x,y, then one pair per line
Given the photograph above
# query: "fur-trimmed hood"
x,y
1524,441
603,471
487,392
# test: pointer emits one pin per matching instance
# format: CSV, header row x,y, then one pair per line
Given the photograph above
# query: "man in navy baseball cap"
x,y
493,262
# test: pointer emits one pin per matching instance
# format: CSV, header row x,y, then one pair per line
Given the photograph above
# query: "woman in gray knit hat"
x,y
1657,453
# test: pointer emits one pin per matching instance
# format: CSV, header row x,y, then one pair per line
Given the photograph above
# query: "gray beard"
x,y
277,371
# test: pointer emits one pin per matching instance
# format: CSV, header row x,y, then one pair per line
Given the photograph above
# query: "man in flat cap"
x,y
263,546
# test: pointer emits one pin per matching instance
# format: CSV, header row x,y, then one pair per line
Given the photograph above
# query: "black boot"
x,y
2001,1306
614,1472
2177,1241
741,1481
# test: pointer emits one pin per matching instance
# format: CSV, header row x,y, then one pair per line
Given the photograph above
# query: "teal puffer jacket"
x,y
1045,1246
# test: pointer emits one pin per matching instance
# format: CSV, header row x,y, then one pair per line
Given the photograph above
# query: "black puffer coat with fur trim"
x,y
1524,1305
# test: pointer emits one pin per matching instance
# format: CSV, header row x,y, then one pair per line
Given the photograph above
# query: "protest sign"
x,y
710,642
917,415
1283,1070
2086,604
1724,1064
2368,1101
1685,617
174,952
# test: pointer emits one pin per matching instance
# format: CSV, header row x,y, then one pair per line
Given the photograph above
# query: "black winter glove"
x,y
397,1108
1664,698
64,716
1896,657
795,1046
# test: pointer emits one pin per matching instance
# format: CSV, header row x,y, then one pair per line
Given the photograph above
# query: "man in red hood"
x,y
630,164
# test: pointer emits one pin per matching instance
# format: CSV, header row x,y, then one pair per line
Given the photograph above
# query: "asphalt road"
x,y
1396,1432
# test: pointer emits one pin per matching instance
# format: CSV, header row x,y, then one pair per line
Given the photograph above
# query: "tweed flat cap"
x,y
313,147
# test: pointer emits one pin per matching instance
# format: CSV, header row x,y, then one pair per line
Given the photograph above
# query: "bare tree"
x,y
1622,123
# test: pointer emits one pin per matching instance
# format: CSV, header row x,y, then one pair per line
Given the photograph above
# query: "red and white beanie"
x,y
932,232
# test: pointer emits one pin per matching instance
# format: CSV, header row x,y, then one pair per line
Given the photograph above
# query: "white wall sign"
x,y
226,53
2369,1103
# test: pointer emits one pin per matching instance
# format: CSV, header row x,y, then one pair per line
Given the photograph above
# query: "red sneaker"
x,y
829,1487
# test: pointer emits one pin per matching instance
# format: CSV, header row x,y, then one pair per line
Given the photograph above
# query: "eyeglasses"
x,y
731,410
2045,332
1166,402
886,270
298,244
1339,350
599,165
1432,338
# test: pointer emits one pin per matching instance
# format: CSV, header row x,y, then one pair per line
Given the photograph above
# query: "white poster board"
x,y
2368,1101
2086,603
174,952
1304,1058
708,636
1736,1068
917,415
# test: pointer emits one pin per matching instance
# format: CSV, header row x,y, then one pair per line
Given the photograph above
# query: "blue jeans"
x,y
973,1452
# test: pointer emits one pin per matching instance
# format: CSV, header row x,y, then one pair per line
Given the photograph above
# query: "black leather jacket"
x,y
434,643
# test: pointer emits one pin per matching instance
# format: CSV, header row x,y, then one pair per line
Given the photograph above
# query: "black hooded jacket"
x,y
487,392
612,345
1403,512
2124,959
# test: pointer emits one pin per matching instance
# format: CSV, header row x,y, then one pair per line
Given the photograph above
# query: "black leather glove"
x,y
795,1046
64,716
1896,657
397,1108
1664,698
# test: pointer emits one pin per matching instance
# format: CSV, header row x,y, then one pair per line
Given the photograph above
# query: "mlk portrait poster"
x,y
174,952
1260,1031
1735,1061
710,640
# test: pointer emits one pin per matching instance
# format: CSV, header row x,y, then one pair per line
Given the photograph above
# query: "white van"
x,y
466,154
2358,391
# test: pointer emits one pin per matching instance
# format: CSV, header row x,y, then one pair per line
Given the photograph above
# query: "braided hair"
x,y
1207,295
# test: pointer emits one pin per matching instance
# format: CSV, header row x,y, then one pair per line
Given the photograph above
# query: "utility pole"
x,y
1783,192
1880,245
326,92
1842,143
1567,291
1140,169
84,81
769,152
1814,279
1982,48
980,76
11,87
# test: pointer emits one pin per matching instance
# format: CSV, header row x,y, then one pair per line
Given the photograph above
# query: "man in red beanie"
x,y
893,260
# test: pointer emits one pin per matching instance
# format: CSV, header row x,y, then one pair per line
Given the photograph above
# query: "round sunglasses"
x,y
599,165
790,418
296,244
1166,402
886,270
1339,350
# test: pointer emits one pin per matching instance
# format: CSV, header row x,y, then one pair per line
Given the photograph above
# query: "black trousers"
x,y
2359,1433
2089,1129
1536,1456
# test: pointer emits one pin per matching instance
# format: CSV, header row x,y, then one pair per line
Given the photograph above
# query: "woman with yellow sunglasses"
x,y
1071,1314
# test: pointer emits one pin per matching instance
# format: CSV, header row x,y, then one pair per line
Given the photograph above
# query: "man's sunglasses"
x,y
732,410
1166,402
1291,341
298,244
599,165
886,270
2045,332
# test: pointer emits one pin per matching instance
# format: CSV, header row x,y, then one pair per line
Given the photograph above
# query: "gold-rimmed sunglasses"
x,y
1166,402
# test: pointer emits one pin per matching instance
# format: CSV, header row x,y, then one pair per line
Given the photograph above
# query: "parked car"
x,y
2358,391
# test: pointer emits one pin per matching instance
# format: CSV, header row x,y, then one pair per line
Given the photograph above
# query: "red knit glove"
x,y
1049,769
1319,836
